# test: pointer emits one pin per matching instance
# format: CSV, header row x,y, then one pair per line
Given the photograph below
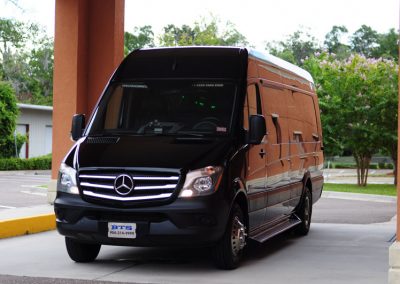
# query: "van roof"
x,y
136,65
280,63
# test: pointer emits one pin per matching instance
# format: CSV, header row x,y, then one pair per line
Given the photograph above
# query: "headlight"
x,y
67,180
201,182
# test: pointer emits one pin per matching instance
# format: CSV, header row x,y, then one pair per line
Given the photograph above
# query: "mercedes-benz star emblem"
x,y
123,184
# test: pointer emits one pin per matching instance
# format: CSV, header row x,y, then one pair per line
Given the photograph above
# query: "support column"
x,y
88,46
394,250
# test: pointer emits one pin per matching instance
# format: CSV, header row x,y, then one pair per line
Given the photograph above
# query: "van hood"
x,y
185,153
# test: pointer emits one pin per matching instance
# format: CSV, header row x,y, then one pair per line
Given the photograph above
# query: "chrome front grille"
x,y
148,185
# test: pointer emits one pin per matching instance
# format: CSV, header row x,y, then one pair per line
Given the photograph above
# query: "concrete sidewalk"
x,y
359,196
330,254
349,176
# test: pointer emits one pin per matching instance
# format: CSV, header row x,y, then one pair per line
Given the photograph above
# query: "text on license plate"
x,y
122,230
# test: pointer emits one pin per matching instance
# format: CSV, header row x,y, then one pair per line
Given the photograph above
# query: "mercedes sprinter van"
x,y
193,146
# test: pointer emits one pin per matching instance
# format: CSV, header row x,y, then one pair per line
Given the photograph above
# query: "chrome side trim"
x,y
159,196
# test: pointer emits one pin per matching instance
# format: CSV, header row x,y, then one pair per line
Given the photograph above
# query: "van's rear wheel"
x,y
304,213
229,250
81,252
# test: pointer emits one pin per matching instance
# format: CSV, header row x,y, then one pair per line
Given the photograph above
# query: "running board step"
x,y
276,230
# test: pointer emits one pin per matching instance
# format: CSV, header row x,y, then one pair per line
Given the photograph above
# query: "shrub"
x,y
38,163
373,166
344,166
8,118
8,145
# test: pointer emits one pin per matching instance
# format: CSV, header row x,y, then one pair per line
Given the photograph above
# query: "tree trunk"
x,y
367,161
362,161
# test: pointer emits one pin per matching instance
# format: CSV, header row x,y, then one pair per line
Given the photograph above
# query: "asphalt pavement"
x,y
23,188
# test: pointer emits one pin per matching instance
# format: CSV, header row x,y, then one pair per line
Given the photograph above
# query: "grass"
x,y
379,189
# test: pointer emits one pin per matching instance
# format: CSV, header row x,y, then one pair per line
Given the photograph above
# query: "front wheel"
x,y
81,252
229,250
304,213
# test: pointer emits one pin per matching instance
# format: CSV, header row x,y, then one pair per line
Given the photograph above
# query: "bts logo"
x,y
122,227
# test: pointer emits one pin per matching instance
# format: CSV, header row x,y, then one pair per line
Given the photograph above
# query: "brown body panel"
x,y
293,144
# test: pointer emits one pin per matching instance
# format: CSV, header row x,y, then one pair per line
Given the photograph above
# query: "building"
x,y
36,122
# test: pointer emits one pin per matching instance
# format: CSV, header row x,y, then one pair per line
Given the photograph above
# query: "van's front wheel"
x,y
229,250
81,252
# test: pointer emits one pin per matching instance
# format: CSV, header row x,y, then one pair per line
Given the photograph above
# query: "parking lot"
x,y
23,188
348,243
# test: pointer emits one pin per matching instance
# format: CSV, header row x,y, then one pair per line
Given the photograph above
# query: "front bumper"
x,y
198,221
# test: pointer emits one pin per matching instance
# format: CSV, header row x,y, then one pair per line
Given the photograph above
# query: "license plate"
x,y
122,230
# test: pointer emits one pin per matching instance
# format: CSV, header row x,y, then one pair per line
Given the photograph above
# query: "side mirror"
x,y
78,124
257,129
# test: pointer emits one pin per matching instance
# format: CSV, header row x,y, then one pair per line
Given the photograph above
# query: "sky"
x,y
259,22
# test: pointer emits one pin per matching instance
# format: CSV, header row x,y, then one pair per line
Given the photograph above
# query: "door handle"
x,y
262,153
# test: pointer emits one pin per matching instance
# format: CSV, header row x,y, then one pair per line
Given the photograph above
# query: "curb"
x,y
28,225
27,172
359,196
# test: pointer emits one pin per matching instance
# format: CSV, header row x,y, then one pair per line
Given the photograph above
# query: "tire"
x,y
304,213
81,252
229,250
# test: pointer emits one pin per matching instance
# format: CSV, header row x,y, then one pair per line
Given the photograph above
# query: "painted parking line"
x,y
23,178
33,186
34,193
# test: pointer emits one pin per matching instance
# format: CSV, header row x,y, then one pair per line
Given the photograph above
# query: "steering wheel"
x,y
211,122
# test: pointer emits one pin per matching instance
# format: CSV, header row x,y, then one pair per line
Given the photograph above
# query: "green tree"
x,y
205,32
383,84
364,41
8,117
141,37
12,34
177,36
387,45
334,42
29,70
357,99
41,65
296,48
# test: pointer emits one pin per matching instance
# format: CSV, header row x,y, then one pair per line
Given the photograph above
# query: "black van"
x,y
178,152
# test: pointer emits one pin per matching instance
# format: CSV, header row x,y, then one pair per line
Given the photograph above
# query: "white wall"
x,y
40,126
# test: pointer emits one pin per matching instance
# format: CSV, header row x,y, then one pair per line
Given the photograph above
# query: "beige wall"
x,y
37,120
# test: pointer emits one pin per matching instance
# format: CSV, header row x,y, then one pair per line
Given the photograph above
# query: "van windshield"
x,y
165,107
